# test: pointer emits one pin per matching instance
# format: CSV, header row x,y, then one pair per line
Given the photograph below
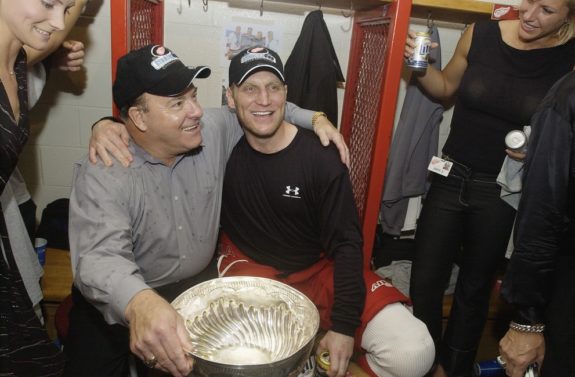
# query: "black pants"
x,y
95,348
463,219
560,327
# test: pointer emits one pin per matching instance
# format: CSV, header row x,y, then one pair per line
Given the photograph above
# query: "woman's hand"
x,y
70,56
515,155
410,44
327,132
109,137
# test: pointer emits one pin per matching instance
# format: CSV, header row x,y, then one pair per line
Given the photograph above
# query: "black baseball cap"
x,y
254,59
153,69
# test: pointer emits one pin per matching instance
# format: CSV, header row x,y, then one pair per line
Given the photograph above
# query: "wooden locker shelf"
x,y
446,10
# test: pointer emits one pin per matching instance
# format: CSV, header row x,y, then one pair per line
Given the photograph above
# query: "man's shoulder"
x,y
323,160
561,96
313,143
84,169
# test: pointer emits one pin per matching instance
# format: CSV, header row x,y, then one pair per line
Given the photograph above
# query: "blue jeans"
x,y
463,221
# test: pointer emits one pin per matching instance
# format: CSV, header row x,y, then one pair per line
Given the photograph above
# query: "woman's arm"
x,y
443,84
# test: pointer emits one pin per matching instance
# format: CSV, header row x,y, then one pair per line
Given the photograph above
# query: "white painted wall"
x,y
72,102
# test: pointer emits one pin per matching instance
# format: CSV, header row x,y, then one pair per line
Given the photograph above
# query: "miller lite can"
x,y
516,140
418,60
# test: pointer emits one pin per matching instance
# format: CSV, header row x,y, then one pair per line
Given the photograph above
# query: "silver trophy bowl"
x,y
248,326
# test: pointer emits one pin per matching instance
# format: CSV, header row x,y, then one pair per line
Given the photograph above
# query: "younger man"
x,y
288,213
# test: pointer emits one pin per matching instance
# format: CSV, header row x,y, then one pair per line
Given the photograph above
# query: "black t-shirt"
x,y
287,208
499,92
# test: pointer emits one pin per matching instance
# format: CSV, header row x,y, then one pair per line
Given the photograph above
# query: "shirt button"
x,y
176,197
183,257
179,227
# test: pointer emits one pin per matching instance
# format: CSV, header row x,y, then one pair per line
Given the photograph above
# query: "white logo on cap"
x,y
258,53
162,59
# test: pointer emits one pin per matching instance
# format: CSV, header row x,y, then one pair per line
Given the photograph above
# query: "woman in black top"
x,y
25,348
499,73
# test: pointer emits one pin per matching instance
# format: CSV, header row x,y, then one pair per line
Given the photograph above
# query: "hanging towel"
x,y
312,70
415,141
510,177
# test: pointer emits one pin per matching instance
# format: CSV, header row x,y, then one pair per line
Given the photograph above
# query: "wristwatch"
x,y
316,116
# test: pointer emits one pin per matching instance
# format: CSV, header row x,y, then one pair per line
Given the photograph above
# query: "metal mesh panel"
x,y
145,23
365,114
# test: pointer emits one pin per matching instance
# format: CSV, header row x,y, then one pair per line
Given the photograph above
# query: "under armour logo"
x,y
292,192
380,283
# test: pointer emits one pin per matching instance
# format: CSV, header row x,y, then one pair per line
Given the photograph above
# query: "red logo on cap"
x,y
258,49
158,50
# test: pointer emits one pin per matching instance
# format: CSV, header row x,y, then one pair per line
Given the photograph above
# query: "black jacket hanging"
x,y
312,70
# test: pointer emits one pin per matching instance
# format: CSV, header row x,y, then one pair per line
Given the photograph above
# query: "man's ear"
x,y
230,98
136,115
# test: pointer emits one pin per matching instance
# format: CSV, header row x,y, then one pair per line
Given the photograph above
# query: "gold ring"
x,y
150,363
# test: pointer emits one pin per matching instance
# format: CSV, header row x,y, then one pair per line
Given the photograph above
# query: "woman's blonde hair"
x,y
567,31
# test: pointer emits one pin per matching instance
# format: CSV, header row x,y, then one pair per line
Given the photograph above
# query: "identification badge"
x,y
440,166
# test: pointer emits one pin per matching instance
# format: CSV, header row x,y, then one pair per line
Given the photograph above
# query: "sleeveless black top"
x,y
499,92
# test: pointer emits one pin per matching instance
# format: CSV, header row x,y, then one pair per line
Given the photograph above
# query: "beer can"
x,y
322,364
516,140
418,60
488,368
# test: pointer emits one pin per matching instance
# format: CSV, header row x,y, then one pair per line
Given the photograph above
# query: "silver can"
x,y
418,60
532,371
516,140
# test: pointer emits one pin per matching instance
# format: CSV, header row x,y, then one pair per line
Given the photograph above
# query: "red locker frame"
x,y
134,24
373,77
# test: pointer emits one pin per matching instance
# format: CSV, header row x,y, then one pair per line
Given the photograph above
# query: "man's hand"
x,y
520,349
340,348
70,56
110,137
158,331
326,133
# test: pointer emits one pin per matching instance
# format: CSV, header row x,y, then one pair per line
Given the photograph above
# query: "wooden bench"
x,y
56,285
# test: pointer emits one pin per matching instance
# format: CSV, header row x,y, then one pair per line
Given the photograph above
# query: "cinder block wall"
x,y
72,102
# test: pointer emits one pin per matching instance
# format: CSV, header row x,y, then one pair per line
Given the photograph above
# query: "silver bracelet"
x,y
526,328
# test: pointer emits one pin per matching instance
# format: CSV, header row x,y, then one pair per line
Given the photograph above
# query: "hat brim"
x,y
178,81
260,67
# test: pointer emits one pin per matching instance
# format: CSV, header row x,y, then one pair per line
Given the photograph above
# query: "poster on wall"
x,y
242,33
239,34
